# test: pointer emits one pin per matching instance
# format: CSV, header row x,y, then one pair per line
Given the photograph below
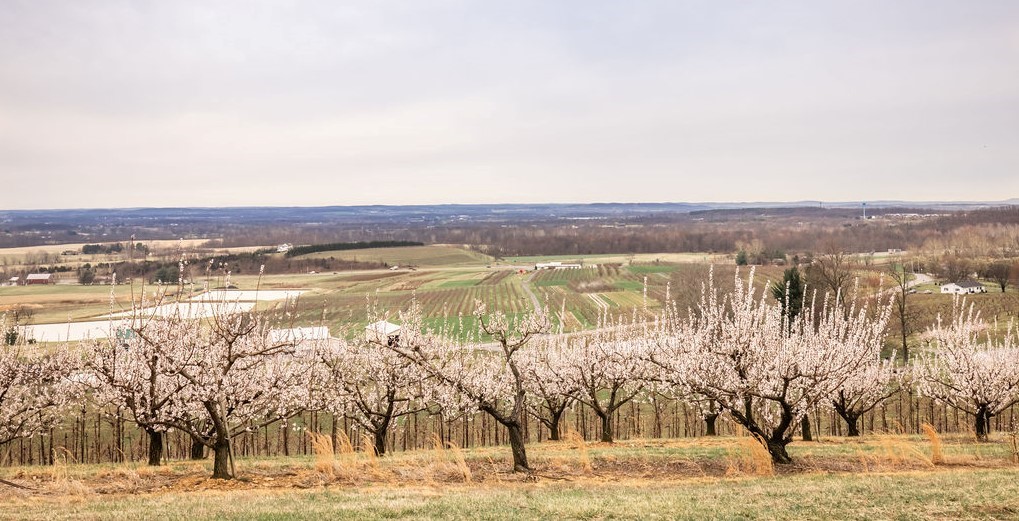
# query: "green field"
x,y
621,258
432,256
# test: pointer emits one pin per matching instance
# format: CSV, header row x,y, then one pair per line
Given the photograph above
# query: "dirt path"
x,y
526,283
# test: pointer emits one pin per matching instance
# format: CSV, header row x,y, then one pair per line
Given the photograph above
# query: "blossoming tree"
x,y
488,375
738,351
970,368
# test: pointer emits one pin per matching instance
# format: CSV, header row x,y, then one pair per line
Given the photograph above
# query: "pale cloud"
x,y
316,103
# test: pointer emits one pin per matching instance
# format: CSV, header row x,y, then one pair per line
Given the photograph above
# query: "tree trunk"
x,y
983,423
805,427
852,425
155,447
606,427
380,441
778,453
197,450
221,464
516,439
553,427
709,423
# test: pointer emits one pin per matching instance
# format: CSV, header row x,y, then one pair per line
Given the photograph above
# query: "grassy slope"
x,y
908,496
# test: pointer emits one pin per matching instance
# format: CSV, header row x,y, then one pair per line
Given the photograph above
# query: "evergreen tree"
x,y
789,293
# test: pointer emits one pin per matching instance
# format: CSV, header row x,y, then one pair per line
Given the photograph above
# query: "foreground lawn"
x,y
907,495
881,477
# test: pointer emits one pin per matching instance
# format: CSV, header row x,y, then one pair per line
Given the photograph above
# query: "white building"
x,y
964,287
556,266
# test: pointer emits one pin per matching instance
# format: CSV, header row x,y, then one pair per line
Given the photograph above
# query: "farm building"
x,y
963,287
13,281
377,331
39,278
556,266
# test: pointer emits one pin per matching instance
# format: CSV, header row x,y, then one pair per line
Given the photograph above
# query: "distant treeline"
x,y
336,246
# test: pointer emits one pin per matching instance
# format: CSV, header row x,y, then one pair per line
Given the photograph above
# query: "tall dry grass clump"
x,y
369,451
577,442
749,456
937,456
441,454
325,458
461,463
60,474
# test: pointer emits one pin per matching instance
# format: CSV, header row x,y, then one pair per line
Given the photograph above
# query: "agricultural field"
x,y
431,256
874,477
618,258
447,281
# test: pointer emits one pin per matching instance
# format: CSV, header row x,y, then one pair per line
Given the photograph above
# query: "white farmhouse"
x,y
964,287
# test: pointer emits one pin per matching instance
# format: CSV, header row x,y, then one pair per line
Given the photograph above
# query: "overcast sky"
x,y
170,103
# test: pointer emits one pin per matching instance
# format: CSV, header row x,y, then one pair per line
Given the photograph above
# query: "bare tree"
x,y
832,272
901,311
1000,272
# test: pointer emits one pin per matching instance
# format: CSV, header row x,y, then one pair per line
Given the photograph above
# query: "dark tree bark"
x,y
155,447
983,423
805,427
221,461
606,427
380,434
516,438
776,447
197,450
852,424
709,424
554,432
780,435
380,443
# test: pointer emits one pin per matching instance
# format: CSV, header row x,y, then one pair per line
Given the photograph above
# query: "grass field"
x,y
620,258
434,255
876,477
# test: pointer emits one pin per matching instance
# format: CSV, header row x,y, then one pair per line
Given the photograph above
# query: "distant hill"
x,y
309,225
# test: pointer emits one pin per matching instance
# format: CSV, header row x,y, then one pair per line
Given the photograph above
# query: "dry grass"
x,y
937,455
749,456
578,443
571,461
325,458
1013,442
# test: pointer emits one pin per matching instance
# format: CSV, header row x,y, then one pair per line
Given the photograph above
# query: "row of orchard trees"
x,y
738,355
